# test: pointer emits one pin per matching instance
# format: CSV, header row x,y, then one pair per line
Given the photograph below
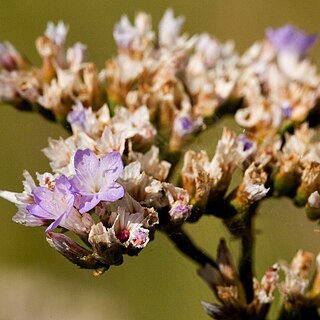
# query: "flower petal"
x,y
111,166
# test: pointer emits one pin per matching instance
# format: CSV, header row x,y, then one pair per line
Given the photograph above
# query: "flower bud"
x,y
74,252
310,182
313,206
287,178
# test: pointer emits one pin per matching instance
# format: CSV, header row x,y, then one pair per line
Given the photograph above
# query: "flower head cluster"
x,y
71,202
112,178
182,80
223,280
105,188
63,77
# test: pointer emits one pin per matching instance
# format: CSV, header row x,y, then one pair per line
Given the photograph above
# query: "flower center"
x,y
123,235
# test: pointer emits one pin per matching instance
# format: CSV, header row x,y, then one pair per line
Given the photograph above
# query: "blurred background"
x,y
38,283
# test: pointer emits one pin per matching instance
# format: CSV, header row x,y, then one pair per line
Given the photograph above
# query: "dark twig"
x,y
246,260
183,242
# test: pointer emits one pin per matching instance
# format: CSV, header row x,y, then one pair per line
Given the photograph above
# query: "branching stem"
x,y
246,259
185,245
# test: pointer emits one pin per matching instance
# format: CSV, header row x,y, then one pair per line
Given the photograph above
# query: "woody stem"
x,y
246,259
185,245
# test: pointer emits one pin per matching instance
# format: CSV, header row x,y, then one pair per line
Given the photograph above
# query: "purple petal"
x,y
77,116
85,162
86,166
111,166
55,223
63,184
95,178
87,203
288,38
38,212
52,204
112,194
44,199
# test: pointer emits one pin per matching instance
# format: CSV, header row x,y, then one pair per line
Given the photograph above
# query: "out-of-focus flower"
x,y
288,38
124,33
313,206
225,283
310,182
11,59
57,33
299,295
169,28
133,38
76,55
209,47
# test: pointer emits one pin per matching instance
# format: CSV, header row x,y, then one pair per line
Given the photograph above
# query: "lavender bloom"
x,y
287,112
53,204
77,116
184,125
180,213
290,39
139,237
246,143
95,178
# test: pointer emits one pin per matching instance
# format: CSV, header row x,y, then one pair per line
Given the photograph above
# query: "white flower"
x,y
151,164
127,229
57,33
169,28
314,200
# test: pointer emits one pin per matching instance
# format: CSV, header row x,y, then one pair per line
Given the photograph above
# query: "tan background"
x,y
36,282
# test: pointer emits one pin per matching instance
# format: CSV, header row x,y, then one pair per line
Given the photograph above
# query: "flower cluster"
x,y
104,188
297,291
112,178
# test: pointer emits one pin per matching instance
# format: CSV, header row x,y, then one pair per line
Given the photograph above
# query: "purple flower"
x,y
180,213
183,125
77,116
95,178
53,204
139,237
290,39
246,143
287,112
